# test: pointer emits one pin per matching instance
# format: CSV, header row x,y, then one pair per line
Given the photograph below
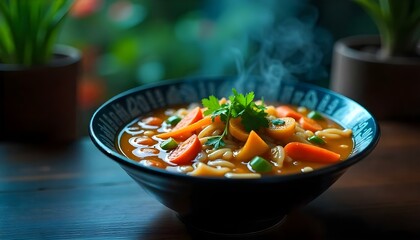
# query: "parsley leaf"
x,y
253,115
216,142
212,104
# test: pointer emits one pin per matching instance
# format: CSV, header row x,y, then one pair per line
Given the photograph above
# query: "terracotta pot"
x,y
40,103
389,88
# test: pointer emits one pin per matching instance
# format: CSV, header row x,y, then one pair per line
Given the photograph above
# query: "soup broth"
x,y
182,139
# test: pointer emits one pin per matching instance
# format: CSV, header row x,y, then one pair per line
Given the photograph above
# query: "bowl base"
x,y
225,231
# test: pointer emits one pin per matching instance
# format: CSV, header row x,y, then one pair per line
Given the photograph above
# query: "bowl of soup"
x,y
233,156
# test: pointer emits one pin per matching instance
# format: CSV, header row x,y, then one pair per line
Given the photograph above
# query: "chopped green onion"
x,y
169,144
172,120
259,164
315,115
316,140
278,121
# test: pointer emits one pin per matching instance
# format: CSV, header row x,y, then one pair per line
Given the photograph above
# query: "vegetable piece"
x,y
173,120
309,124
316,140
259,164
187,130
253,115
315,115
282,132
237,129
154,121
186,151
192,117
169,144
286,111
254,146
310,153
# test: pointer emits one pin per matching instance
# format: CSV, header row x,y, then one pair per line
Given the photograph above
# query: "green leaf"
x,y
216,142
398,24
222,112
254,120
239,105
211,103
29,29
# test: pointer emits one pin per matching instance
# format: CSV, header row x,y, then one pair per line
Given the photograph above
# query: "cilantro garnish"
x,y
253,115
217,142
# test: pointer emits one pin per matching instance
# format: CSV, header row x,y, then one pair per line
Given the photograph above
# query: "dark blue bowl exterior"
x,y
235,203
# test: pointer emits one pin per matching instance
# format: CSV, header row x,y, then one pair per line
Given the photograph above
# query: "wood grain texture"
x,y
75,192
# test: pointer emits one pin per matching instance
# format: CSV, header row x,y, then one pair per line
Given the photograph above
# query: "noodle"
x,y
207,131
242,175
203,169
307,169
333,133
220,163
218,153
201,156
228,155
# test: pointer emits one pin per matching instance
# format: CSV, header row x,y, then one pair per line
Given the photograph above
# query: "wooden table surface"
x,y
75,191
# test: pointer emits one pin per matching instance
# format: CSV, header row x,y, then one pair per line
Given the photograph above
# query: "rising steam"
x,y
277,41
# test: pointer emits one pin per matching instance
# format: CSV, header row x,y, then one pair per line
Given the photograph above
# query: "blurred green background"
x,y
126,43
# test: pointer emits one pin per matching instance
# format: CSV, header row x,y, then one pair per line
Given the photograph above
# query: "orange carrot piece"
x,y
309,124
187,129
237,129
286,111
254,146
186,151
310,153
192,117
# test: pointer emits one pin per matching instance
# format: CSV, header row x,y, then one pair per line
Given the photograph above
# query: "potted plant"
x,y
38,79
382,72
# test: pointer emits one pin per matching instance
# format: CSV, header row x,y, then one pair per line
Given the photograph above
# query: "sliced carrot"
x,y
237,129
254,146
286,111
310,153
309,124
192,117
284,131
186,151
187,129
154,121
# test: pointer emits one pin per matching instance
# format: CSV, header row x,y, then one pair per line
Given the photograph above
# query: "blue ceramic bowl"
x,y
231,205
